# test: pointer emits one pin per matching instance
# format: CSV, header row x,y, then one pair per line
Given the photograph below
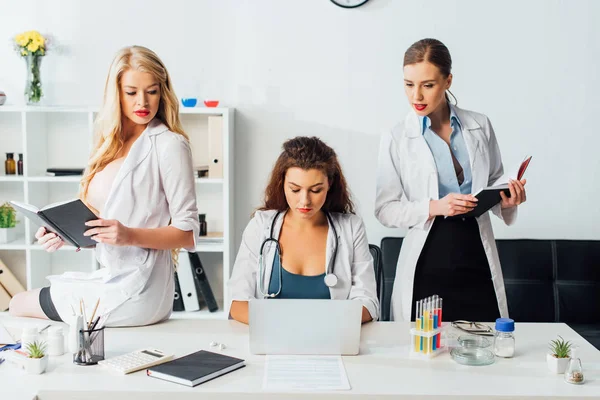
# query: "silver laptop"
x,y
290,326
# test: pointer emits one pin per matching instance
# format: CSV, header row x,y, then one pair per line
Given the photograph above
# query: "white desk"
x,y
383,368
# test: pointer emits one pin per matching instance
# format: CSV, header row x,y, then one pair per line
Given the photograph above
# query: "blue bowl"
x,y
189,102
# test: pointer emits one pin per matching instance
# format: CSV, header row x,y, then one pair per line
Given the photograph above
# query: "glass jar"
x,y
504,339
10,165
574,372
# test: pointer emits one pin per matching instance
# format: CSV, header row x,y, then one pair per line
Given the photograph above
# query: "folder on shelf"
x,y
178,299
215,146
202,286
186,283
4,299
10,283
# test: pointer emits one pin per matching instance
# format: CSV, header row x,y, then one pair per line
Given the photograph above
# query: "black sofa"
x,y
545,280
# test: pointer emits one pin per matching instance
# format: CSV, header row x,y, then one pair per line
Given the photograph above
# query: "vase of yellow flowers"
x,y
32,46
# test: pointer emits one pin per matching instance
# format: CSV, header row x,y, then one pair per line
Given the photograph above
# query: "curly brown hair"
x,y
308,153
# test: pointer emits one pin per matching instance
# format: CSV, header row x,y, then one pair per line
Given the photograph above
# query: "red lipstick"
x,y
420,107
142,113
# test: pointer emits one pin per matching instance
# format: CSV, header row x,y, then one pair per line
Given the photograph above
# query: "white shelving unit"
x,y
62,137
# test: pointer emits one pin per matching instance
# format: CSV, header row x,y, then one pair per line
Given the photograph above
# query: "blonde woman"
x,y
140,183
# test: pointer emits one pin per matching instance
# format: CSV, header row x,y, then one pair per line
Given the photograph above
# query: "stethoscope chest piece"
x,y
331,280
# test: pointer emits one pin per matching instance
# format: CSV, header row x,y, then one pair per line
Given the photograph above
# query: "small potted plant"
x,y
37,360
559,355
8,221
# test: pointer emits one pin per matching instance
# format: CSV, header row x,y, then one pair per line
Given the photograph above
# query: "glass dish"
x,y
473,341
472,356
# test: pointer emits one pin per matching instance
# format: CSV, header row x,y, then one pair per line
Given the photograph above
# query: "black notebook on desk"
x,y
66,219
195,368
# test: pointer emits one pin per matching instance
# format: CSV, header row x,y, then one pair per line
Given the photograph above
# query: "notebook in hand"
x,y
66,219
195,368
490,196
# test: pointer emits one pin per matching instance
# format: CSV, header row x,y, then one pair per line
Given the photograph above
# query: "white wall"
x,y
310,68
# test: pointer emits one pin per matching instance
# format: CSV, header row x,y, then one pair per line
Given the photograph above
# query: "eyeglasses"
x,y
474,328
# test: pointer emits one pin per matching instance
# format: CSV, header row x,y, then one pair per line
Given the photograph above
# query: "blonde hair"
x,y
108,138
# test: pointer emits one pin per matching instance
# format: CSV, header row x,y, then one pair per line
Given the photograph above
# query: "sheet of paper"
x,y
305,373
5,336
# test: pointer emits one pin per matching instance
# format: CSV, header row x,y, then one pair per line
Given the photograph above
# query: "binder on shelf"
x,y
178,299
9,281
202,286
191,300
215,146
4,299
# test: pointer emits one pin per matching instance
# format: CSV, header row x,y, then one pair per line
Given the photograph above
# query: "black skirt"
x,y
453,265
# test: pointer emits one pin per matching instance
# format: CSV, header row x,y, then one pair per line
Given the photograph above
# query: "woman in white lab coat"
x,y
312,243
429,166
140,183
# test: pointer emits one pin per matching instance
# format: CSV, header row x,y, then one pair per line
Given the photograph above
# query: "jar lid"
x,y
505,325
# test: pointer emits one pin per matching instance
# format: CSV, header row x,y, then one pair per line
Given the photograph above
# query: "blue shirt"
x,y
447,180
294,286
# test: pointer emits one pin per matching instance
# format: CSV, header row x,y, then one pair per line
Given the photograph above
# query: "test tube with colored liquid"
x,y
416,341
431,327
439,312
426,317
421,324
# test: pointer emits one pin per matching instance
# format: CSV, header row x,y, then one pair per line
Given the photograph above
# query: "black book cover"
x,y
203,288
488,198
66,219
195,368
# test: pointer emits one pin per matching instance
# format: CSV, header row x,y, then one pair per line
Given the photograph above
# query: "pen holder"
x,y
90,347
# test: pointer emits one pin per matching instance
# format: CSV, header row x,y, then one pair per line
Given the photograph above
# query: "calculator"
x,y
136,360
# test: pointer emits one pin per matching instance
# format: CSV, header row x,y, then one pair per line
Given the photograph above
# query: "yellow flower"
x,y
33,46
21,40
31,41
23,52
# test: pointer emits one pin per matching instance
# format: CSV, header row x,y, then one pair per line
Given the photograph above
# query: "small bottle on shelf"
x,y
203,227
10,165
20,164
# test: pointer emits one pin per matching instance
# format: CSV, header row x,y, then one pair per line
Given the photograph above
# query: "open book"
x,y
490,196
66,219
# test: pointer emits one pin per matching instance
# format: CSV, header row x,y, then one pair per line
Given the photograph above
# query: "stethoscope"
x,y
330,278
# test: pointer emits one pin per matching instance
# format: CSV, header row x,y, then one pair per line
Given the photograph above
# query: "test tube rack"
x,y
426,336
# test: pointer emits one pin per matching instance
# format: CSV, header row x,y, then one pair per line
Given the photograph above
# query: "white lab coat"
x,y
153,188
353,266
407,180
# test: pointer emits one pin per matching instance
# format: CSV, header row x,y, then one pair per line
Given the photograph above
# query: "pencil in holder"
x,y
90,347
